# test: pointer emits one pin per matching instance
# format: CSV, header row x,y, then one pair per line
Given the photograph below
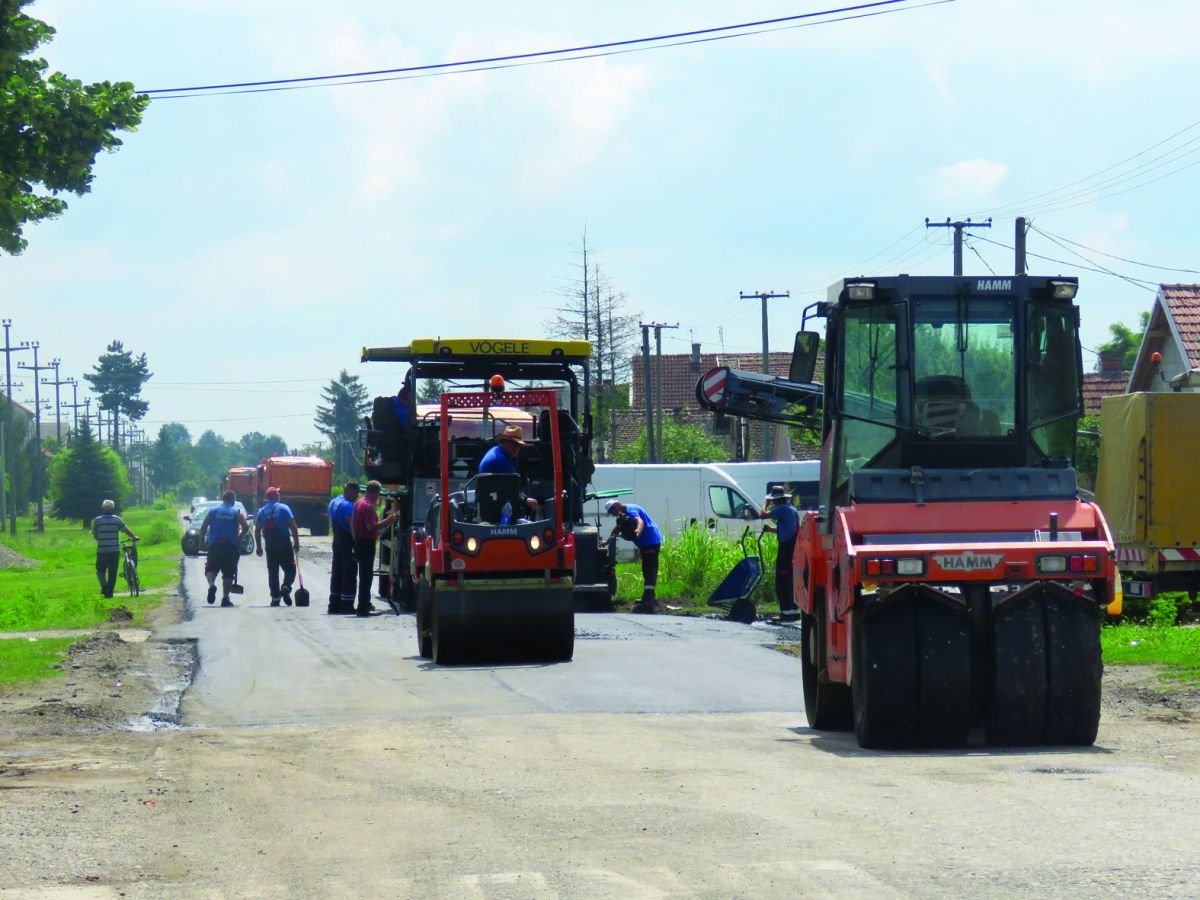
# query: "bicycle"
x,y
129,566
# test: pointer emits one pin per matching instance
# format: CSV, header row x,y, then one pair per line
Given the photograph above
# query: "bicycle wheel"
x,y
131,577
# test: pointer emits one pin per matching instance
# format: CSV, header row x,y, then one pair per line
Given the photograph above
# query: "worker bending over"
x,y
646,535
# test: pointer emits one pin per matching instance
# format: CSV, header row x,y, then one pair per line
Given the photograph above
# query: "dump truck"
x,y
403,446
495,560
305,483
951,577
1146,485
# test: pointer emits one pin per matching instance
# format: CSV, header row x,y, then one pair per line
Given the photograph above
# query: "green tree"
x,y
20,455
430,390
117,380
681,444
340,417
1087,451
1126,341
85,475
51,128
213,456
171,461
255,446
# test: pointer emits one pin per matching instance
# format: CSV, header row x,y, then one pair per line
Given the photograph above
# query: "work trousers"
x,y
280,556
783,576
649,572
364,552
106,571
343,574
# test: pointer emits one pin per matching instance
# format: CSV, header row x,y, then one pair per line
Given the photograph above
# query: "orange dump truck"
x,y
305,483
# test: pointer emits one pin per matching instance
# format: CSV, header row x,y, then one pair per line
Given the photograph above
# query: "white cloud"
x,y
968,182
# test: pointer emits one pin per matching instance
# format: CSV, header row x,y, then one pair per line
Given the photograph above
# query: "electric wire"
x,y
1140,282
530,59
1132,262
1002,209
1127,278
975,250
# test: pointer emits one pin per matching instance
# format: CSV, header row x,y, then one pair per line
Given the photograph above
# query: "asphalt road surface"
x,y
320,757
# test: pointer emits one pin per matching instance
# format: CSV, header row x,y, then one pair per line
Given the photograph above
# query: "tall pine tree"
x,y
84,476
340,416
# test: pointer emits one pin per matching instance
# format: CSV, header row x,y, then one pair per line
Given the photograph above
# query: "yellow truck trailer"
x,y
1149,488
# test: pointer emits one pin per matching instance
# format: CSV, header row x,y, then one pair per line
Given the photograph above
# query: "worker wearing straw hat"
x,y
786,525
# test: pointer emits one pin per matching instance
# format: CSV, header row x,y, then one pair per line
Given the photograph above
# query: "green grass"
x,y
691,567
1175,648
22,659
63,592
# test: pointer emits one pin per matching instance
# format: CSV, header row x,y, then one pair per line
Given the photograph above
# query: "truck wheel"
x,y
1016,709
1074,671
828,706
884,679
319,527
424,636
557,643
447,636
944,675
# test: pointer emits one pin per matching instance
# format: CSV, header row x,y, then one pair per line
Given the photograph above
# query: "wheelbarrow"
x,y
733,594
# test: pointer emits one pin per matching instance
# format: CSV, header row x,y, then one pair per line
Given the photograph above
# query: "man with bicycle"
x,y
107,529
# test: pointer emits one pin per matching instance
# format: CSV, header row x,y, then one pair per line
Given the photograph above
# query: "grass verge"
x,y
24,659
62,592
691,567
1175,648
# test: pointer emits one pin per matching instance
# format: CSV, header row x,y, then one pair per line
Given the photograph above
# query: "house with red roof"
x,y
1169,358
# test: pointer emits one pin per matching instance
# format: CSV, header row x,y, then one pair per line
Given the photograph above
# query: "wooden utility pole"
x,y
38,462
1019,245
958,237
7,503
768,431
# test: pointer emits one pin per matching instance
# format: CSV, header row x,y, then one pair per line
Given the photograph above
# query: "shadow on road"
x,y
845,745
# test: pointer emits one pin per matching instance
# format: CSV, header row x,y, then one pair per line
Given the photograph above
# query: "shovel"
x,y
301,596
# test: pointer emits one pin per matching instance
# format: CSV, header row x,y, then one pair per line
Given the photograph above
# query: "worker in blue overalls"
x,y
648,538
786,525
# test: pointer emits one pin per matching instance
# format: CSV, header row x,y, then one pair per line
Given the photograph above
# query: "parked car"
x,y
196,501
190,542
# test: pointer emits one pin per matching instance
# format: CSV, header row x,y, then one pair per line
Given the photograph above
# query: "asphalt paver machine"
x,y
952,577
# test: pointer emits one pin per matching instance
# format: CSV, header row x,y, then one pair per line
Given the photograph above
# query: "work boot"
x,y
225,601
274,601
789,615
286,592
646,606
363,612
335,604
212,593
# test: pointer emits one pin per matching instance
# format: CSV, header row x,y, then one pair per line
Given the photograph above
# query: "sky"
x,y
252,244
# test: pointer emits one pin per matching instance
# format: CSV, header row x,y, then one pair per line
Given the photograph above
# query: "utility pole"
x,y
658,441
768,432
1019,245
9,350
958,236
650,454
36,369
58,382
74,406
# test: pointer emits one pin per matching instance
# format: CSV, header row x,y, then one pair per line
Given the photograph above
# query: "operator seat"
x,y
492,491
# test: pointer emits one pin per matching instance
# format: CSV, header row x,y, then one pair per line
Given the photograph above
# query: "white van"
x,y
802,477
676,495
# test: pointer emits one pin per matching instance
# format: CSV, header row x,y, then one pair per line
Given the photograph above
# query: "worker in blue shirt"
x,y
278,522
502,458
648,538
221,532
786,525
344,571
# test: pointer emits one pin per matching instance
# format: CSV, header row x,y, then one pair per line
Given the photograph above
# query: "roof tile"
x,y
1183,301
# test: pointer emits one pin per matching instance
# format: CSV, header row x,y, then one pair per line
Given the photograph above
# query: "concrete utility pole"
x,y
5,503
74,406
38,490
768,435
58,382
1019,245
958,237
650,455
659,384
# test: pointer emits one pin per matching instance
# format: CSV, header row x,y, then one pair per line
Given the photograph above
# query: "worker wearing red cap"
x,y
278,523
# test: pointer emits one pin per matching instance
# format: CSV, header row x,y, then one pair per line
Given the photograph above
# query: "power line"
x,y
975,250
304,415
1074,265
1132,281
541,57
1132,262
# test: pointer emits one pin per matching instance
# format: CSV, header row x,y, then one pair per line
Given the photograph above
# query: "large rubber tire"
x,y
884,677
446,638
424,635
319,527
1074,672
556,642
1016,710
943,675
828,706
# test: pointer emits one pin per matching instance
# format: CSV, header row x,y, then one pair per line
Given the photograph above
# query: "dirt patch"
x,y
1139,691
10,559
120,614
108,681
